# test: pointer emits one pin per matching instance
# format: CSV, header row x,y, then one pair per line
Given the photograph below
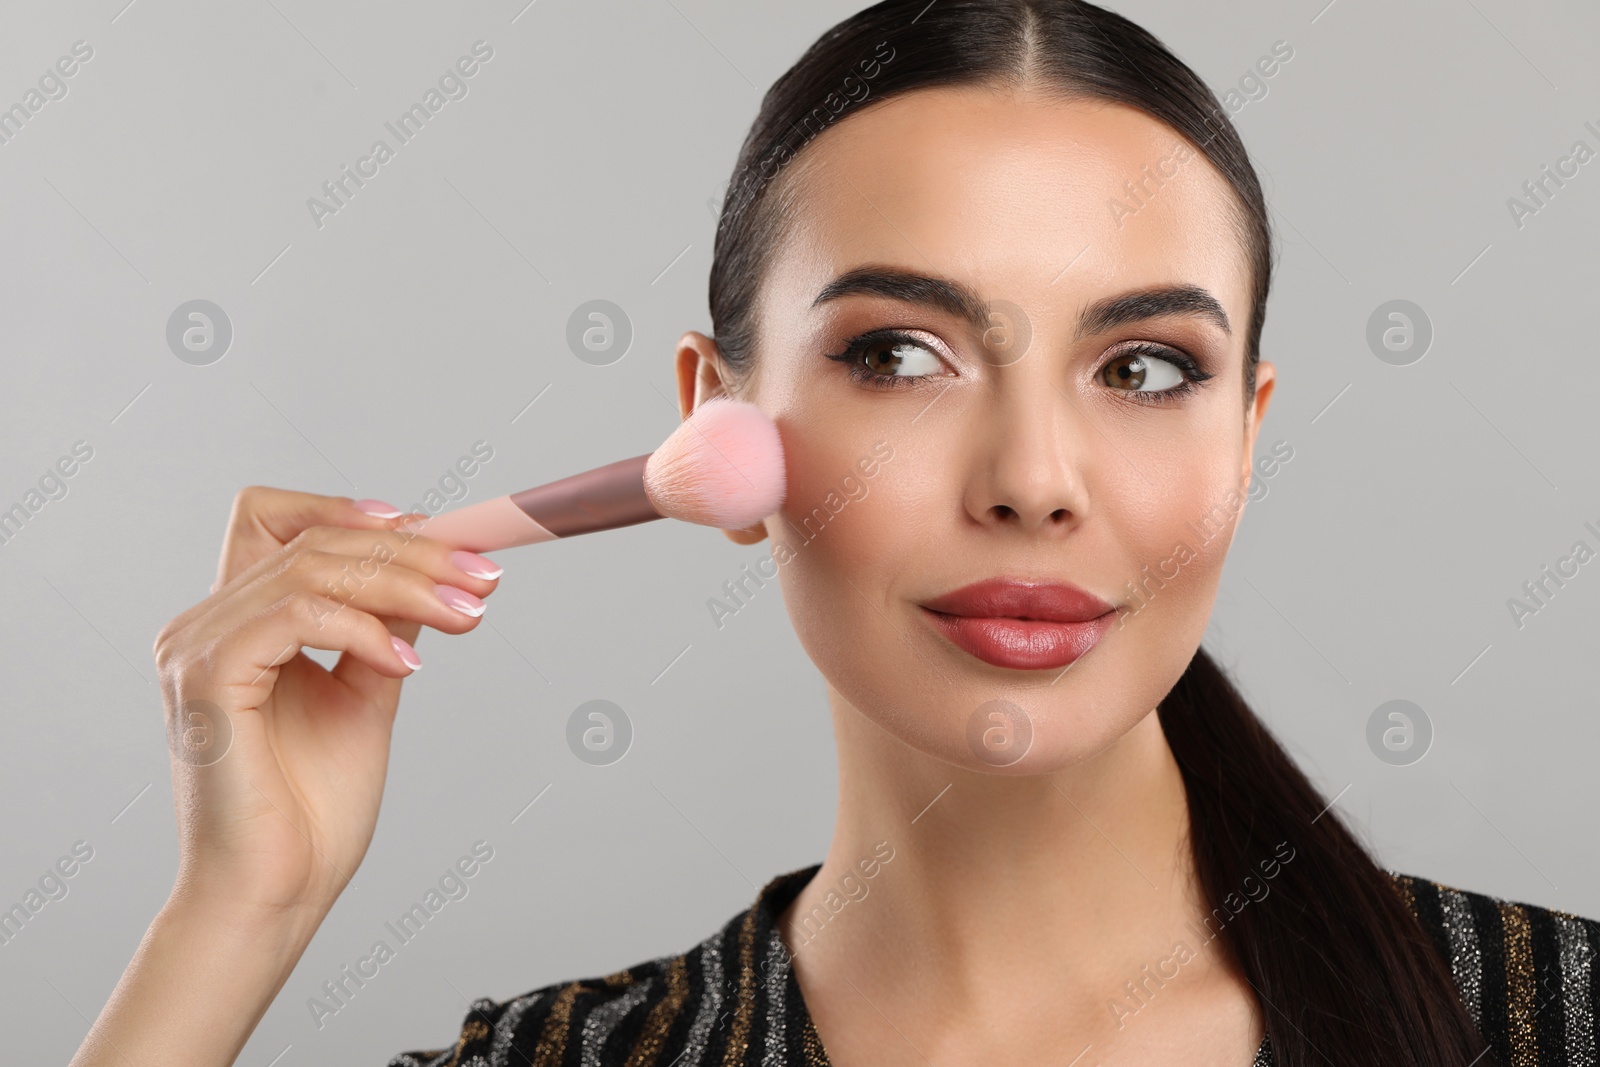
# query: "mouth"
x,y
1019,624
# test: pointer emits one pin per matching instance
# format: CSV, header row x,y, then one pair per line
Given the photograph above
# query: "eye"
x,y
1153,374
888,358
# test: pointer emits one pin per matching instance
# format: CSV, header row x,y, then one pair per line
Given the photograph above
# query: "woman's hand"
x,y
278,763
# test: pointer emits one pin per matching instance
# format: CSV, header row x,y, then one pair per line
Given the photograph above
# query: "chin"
x,y
1022,725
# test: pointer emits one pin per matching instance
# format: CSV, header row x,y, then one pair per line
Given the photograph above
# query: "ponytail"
x,y
1342,968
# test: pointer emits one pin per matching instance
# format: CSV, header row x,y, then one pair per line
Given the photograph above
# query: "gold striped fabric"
x,y
1528,976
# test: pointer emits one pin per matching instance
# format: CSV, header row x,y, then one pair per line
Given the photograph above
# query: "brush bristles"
x,y
723,467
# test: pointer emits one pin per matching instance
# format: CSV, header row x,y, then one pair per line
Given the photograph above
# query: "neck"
x,y
960,887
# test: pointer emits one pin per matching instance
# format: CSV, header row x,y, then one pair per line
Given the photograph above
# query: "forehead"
x,y
1005,190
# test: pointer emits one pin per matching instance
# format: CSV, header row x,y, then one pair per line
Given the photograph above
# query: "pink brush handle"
x,y
484,526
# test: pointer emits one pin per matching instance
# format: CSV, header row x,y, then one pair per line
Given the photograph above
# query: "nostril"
x,y
1007,513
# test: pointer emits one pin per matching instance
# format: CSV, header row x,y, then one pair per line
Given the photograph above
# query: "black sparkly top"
x,y
1529,977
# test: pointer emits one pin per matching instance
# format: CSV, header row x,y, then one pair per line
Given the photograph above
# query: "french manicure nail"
x,y
460,599
407,654
382,509
475,565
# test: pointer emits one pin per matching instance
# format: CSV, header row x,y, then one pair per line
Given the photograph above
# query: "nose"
x,y
1028,457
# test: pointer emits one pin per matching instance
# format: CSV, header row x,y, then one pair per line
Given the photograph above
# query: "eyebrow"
x,y
963,302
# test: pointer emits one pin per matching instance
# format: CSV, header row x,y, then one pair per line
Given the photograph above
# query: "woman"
x,y
1003,267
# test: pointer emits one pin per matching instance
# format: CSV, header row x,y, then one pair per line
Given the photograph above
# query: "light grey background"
x,y
432,311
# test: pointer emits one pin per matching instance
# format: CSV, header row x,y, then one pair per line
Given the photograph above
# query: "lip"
x,y
1021,624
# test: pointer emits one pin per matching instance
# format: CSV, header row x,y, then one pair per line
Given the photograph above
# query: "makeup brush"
x,y
722,467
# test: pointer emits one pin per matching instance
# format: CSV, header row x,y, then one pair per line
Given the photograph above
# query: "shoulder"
x,y
586,1012
1528,975
730,999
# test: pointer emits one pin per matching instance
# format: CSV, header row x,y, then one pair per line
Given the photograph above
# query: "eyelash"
x,y
1194,376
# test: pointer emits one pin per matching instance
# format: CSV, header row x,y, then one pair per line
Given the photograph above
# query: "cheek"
x,y
844,535
864,496
1174,527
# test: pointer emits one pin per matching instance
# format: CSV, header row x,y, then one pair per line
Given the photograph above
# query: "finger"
x,y
262,540
239,666
358,567
372,685
369,553
450,565
264,519
392,590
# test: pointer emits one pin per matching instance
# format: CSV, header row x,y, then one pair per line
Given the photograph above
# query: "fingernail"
x,y
475,565
460,599
407,654
380,508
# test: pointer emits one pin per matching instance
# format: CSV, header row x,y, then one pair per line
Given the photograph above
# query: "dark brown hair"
x,y
1343,971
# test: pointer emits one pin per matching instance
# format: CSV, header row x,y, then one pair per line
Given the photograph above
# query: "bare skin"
x,y
1017,905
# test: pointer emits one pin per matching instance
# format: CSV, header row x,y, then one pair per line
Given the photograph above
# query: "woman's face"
x,y
1047,438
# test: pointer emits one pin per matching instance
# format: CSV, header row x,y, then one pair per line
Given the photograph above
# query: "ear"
x,y
1266,375
700,378
699,365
